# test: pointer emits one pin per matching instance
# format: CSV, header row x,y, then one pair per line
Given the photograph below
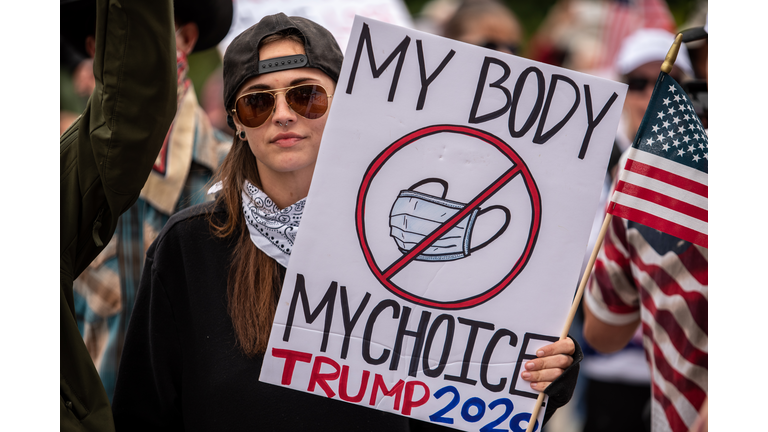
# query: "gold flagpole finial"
x,y
669,61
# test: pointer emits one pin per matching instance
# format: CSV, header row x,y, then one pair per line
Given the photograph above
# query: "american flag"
x,y
664,182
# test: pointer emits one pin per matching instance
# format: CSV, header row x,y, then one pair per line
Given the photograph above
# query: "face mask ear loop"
x,y
432,180
499,232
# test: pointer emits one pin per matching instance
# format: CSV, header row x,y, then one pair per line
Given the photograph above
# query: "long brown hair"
x,y
253,283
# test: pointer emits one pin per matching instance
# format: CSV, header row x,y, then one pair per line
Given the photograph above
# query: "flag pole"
x,y
666,67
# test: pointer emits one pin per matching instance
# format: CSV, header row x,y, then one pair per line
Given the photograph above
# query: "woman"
x,y
208,294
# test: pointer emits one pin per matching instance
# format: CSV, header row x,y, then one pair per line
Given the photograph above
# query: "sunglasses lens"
x,y
254,109
637,84
309,101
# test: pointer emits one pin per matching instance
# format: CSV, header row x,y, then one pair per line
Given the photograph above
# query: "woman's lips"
x,y
287,139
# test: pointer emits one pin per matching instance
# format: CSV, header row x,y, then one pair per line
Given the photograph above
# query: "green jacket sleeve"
x,y
105,158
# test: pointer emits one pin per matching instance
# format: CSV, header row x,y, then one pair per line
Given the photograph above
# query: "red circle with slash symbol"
x,y
519,169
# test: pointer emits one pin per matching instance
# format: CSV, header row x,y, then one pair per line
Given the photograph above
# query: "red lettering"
x,y
343,386
408,401
291,357
378,383
322,379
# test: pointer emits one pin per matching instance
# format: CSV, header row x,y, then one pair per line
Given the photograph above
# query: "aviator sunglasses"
x,y
307,100
638,84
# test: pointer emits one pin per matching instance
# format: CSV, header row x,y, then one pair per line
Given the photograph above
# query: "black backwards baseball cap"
x,y
241,59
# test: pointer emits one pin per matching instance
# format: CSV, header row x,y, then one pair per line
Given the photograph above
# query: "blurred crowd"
x,y
622,40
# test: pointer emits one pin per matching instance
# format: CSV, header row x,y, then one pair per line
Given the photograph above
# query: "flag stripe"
x,y
696,302
689,389
666,177
660,211
696,264
662,200
674,420
668,165
613,300
660,224
665,189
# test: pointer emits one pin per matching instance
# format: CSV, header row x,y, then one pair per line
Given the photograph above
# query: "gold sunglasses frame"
x,y
274,93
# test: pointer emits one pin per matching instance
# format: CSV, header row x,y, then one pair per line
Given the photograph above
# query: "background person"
x,y
486,23
204,312
644,278
105,157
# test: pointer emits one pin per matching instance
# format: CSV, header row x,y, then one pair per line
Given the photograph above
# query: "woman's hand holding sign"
x,y
552,361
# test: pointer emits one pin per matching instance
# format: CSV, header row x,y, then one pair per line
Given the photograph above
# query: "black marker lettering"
x,y
487,359
418,343
540,138
365,39
437,371
328,300
592,123
426,81
521,80
473,328
349,324
481,86
369,331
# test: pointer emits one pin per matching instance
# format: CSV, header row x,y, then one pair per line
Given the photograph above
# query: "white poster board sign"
x,y
335,15
444,230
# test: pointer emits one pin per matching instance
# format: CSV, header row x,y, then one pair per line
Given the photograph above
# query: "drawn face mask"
x,y
415,215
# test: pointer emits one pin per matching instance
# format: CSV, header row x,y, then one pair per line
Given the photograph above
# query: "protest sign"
x,y
444,230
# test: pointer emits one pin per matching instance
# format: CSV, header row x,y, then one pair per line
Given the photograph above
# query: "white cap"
x,y
649,45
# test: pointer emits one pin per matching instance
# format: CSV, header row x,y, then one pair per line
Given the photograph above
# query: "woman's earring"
x,y
242,135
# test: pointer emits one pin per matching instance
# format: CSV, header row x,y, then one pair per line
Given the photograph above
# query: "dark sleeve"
x,y
106,155
105,158
148,389
561,389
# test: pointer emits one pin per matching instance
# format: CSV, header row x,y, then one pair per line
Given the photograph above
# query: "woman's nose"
x,y
283,113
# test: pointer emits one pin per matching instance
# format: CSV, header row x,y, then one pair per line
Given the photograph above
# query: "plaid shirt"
x,y
106,290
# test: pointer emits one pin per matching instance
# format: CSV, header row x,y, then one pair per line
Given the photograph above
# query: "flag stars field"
x,y
664,182
670,132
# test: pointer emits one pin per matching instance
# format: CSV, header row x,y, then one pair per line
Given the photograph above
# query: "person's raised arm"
x,y
106,156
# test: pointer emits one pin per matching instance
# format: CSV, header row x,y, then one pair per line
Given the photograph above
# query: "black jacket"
x,y
181,368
